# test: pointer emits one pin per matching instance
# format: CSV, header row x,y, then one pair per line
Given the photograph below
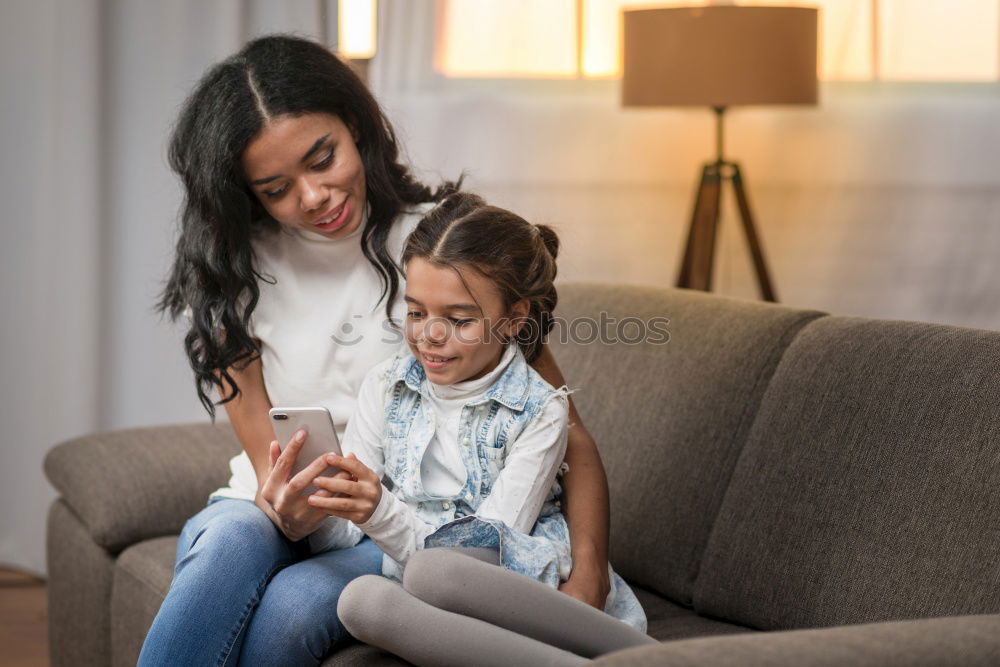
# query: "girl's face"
x,y
307,173
456,329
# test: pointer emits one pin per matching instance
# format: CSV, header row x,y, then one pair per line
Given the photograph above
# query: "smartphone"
x,y
321,437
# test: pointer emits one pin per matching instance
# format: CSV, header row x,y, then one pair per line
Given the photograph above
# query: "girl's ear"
x,y
518,316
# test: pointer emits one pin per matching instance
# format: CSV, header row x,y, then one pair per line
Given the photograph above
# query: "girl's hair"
x,y
213,273
515,255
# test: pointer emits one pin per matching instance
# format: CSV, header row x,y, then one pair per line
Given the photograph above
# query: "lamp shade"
x,y
720,56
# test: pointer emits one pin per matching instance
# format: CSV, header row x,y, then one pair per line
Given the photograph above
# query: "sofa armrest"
x,y
959,640
131,485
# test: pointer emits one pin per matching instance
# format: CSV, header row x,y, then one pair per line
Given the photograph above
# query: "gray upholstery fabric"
x,y
970,641
868,489
131,485
779,468
669,621
363,655
141,580
79,593
670,419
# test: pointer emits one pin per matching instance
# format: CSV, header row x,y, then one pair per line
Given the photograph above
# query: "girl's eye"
x,y
413,314
274,194
460,323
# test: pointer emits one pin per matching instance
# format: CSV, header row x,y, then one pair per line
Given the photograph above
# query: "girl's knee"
x,y
439,576
367,604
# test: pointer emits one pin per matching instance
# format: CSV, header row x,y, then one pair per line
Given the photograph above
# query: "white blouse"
x,y
318,324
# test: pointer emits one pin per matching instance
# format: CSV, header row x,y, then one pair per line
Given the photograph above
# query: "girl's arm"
x,y
388,521
516,498
277,495
391,524
585,495
529,469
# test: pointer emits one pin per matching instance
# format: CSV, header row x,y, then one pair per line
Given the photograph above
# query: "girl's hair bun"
x,y
550,239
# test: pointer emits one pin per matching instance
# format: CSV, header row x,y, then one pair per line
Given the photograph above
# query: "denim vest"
x,y
488,427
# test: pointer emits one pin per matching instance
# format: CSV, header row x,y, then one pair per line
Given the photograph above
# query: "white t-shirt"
x,y
320,324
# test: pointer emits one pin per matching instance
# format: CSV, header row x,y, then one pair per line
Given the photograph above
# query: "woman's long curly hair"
x,y
213,272
519,258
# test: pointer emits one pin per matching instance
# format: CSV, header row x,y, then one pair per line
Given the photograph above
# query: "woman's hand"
x,y
280,496
588,584
357,495
585,502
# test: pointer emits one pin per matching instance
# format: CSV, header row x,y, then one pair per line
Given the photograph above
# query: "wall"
x,y
883,201
90,88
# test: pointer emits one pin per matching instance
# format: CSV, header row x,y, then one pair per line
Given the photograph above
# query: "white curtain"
x,y
90,88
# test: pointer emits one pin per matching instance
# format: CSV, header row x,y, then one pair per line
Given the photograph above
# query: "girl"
x,y
469,440
295,210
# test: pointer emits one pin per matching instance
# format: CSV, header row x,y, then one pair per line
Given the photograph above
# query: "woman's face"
x,y
307,173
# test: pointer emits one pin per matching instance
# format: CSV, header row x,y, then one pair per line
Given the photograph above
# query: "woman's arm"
x,y
277,496
248,415
585,496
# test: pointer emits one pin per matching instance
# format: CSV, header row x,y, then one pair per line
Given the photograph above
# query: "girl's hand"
x,y
280,496
358,495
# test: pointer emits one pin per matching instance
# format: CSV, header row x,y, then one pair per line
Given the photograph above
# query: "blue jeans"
x,y
243,593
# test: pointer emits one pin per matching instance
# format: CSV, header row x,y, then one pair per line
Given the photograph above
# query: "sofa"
x,y
788,487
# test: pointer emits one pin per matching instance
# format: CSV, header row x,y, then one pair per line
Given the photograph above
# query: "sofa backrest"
x,y
869,486
670,419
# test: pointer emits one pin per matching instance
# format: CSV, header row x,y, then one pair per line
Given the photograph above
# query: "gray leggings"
x,y
457,607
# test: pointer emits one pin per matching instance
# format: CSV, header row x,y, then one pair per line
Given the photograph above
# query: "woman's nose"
x,y
311,195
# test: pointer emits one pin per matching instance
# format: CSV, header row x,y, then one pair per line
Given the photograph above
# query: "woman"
x,y
295,214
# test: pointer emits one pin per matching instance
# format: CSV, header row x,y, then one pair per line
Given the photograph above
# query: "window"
x,y
892,40
522,38
943,40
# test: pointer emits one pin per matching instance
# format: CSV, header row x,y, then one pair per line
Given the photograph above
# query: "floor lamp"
x,y
719,56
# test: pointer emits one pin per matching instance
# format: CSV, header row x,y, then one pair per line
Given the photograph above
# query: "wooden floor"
x,y
23,621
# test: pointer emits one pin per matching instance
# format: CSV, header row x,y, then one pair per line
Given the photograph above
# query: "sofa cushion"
x,y
130,485
868,488
670,419
142,578
965,641
669,621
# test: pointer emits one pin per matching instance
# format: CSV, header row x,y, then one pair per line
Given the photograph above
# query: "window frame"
x,y
583,87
